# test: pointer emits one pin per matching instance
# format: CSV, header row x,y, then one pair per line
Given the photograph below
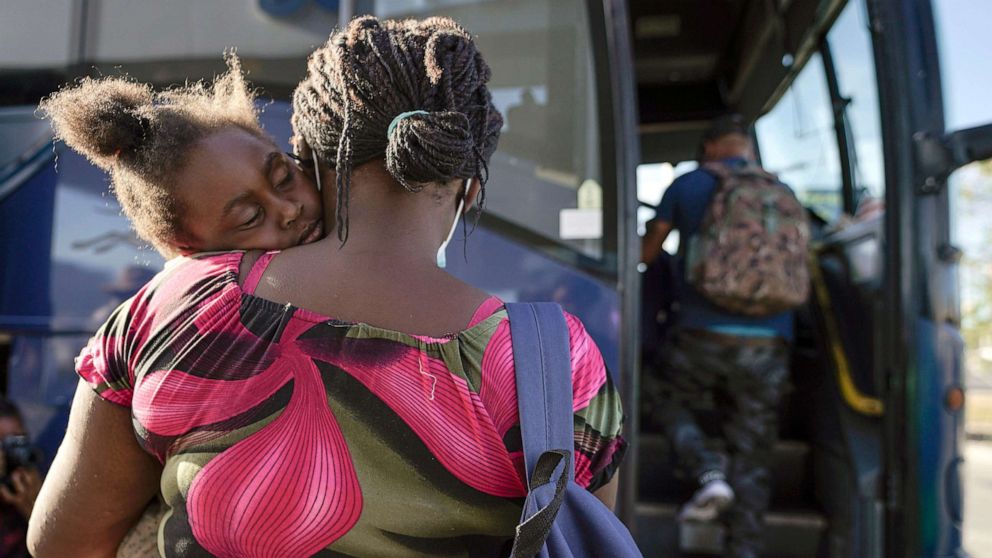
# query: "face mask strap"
x,y
316,171
442,260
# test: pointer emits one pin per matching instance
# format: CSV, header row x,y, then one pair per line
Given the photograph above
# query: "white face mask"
x,y
442,260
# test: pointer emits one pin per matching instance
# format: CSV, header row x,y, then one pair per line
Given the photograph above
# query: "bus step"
x,y
660,480
788,534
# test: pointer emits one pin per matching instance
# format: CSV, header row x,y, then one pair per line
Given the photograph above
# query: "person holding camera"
x,y
20,481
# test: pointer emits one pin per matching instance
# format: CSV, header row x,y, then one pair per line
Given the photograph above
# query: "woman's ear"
x,y
302,148
475,186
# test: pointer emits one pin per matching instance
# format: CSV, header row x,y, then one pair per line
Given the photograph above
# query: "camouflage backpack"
x,y
749,256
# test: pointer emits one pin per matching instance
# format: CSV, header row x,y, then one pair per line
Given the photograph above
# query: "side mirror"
x,y
970,145
940,156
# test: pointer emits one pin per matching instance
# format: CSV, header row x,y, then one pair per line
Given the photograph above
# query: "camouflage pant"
x,y
743,380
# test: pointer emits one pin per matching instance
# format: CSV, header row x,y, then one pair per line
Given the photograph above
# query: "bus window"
x,y
546,175
797,141
850,45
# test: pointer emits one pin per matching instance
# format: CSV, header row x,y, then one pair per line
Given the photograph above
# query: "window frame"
x,y
843,155
842,130
846,147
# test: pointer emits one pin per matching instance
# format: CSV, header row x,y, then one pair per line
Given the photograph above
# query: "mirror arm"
x,y
940,156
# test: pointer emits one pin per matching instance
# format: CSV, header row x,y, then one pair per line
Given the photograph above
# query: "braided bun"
x,y
432,147
375,70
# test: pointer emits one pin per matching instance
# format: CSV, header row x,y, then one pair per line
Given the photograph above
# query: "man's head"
x,y
726,137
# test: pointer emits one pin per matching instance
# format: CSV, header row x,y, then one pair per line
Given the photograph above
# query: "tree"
x,y
973,186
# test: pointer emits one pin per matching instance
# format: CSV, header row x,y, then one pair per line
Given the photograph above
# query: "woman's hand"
x,y
25,485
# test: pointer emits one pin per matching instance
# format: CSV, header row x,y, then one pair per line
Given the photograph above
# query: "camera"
x,y
18,452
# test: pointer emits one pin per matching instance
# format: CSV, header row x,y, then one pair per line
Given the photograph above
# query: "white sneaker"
x,y
707,503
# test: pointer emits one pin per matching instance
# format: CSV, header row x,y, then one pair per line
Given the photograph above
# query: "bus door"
x,y
849,114
807,80
921,348
823,137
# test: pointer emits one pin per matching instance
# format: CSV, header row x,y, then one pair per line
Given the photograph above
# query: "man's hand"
x,y
26,484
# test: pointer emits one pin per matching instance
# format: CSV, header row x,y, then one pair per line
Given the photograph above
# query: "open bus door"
x,y
772,63
922,345
870,463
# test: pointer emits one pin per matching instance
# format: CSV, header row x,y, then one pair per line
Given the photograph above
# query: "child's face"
x,y
239,191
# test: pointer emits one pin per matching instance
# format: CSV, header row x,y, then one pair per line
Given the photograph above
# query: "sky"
x,y
965,51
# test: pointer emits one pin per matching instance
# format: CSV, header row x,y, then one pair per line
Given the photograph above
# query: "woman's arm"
x,y
98,486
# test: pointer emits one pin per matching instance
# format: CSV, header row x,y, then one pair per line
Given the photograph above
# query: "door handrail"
x,y
858,401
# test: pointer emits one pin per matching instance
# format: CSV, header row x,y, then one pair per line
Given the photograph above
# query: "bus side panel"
x,y
939,355
26,223
62,244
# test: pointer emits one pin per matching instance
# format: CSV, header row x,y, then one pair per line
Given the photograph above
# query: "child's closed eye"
x,y
284,177
254,219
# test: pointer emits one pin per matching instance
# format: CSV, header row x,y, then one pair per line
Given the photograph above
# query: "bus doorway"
x,y
869,448
826,466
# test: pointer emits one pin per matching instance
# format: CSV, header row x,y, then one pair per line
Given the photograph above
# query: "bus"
x,y
846,103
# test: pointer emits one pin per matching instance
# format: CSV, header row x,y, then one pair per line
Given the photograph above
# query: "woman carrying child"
x,y
342,397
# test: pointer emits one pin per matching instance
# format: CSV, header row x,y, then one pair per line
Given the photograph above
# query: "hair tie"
x,y
401,116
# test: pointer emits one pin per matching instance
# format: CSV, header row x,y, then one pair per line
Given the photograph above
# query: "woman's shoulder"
x,y
576,329
490,306
582,347
581,343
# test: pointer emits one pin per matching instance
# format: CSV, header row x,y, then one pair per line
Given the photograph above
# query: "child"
x,y
147,141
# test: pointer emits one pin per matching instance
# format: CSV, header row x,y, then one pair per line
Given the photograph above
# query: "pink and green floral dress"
x,y
286,433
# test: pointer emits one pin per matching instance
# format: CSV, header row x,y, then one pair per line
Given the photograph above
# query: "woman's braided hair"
x,y
142,138
368,74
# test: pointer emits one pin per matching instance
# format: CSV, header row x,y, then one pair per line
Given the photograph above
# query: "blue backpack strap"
x,y
542,360
560,518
